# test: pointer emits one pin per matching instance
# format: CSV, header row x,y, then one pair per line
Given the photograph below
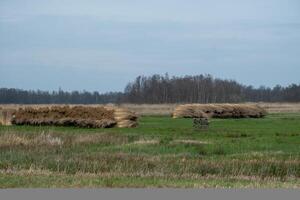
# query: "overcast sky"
x,y
101,45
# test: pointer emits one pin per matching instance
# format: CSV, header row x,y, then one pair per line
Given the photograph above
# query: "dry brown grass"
x,y
33,170
190,142
280,107
8,140
106,138
12,140
143,141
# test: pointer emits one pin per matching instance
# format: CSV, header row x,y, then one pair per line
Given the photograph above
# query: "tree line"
x,y
18,96
203,89
161,89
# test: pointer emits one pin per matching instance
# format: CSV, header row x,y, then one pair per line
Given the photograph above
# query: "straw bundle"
x,y
218,111
189,111
6,116
80,116
125,118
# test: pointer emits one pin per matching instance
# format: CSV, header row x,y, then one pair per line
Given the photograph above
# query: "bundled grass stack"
x,y
125,118
189,111
79,116
218,111
6,116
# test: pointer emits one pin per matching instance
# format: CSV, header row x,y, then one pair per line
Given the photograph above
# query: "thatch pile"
x,y
218,111
6,116
125,118
80,116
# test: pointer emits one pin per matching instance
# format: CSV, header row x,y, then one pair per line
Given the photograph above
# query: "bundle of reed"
x,y
218,111
80,116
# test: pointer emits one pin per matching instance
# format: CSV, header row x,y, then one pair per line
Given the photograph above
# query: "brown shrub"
x,y
218,111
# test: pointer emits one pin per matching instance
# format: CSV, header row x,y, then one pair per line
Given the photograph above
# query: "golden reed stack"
x,y
80,116
218,111
6,116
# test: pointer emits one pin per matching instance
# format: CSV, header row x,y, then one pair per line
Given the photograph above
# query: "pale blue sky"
x,y
101,45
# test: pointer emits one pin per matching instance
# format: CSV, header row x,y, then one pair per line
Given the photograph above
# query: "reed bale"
x,y
189,111
79,116
125,118
6,116
218,111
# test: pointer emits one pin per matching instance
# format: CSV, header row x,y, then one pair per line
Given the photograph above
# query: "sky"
x,y
100,45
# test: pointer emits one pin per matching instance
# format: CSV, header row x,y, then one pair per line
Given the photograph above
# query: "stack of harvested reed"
x,y
80,116
125,118
6,116
218,111
189,111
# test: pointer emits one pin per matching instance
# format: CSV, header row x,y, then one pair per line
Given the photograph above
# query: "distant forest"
x,y
161,89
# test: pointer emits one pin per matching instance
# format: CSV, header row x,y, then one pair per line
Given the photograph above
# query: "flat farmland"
x,y
160,152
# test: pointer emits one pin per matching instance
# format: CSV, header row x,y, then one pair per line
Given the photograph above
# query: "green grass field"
x,y
161,152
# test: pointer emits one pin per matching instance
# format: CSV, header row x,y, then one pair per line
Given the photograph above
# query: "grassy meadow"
x,y
160,152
